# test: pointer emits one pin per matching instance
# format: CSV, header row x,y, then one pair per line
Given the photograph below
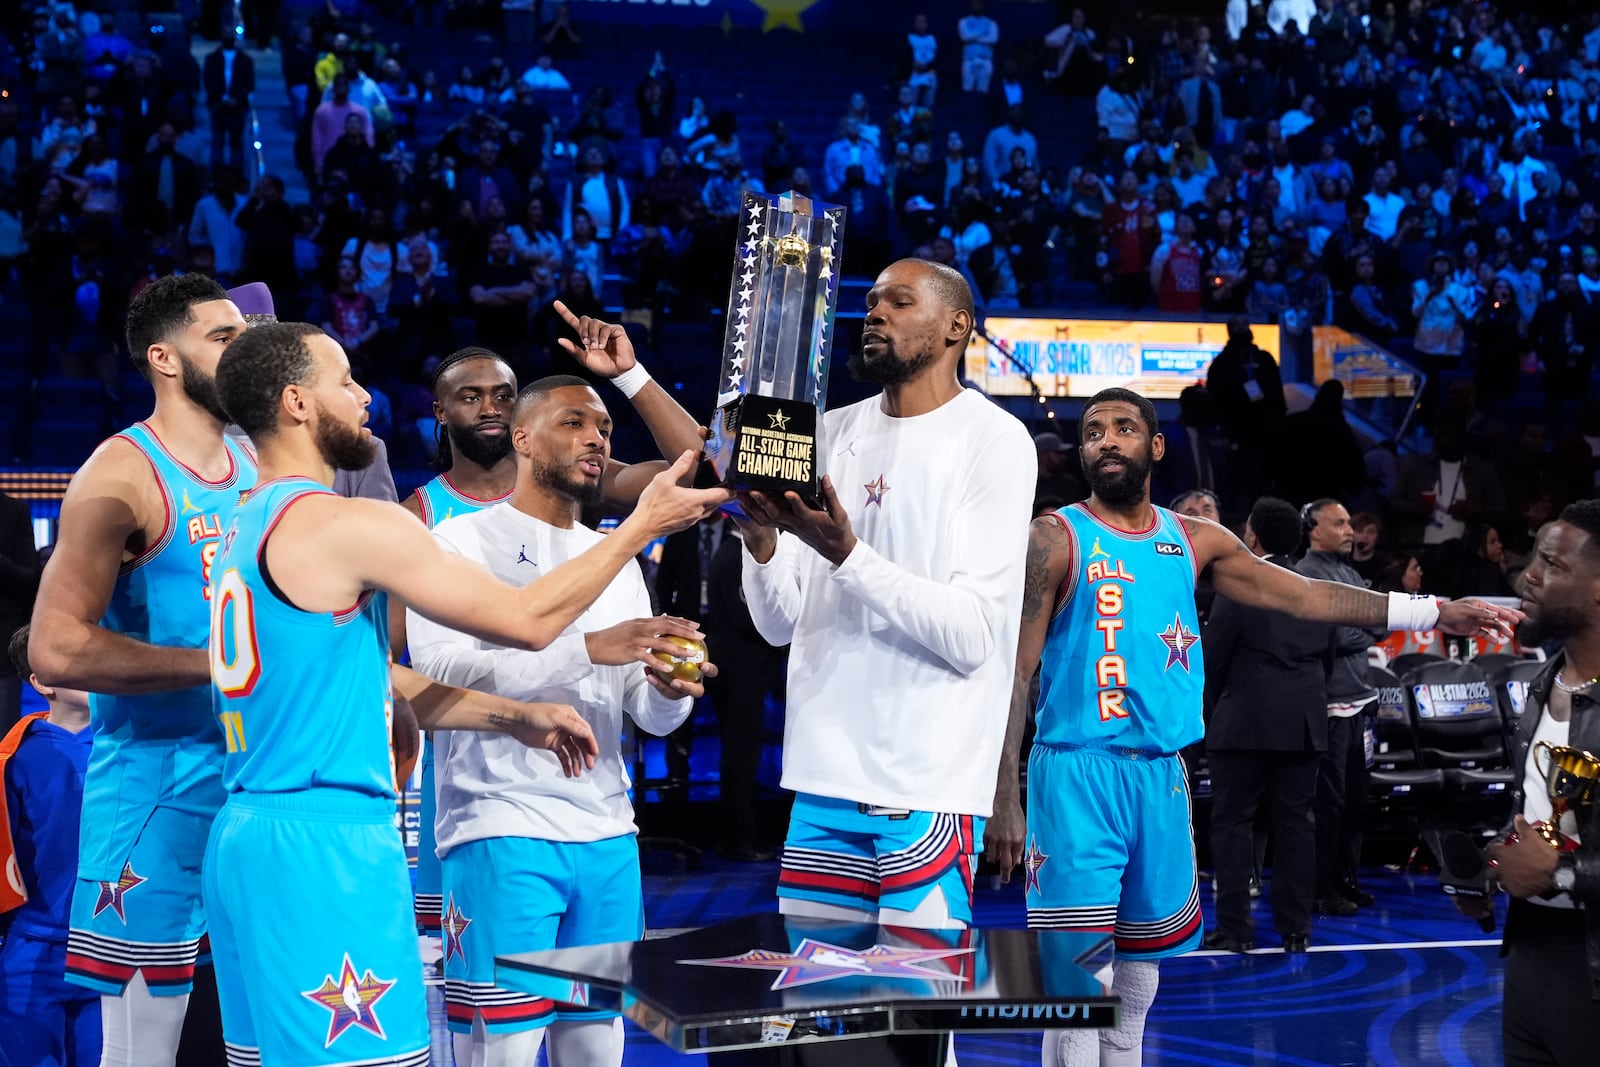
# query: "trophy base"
x,y
1554,838
774,449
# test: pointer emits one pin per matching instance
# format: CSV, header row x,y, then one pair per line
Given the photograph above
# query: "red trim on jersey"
x,y
272,524
233,467
1155,520
1157,944
1194,556
422,505
1070,582
445,478
167,524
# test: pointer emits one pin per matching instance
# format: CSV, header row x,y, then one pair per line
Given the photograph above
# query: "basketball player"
x,y
1109,611
299,660
532,860
898,594
123,613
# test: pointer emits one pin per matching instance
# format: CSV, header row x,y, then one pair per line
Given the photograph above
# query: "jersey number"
x,y
235,654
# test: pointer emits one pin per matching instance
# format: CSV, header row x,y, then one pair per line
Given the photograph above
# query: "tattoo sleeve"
x,y
1048,561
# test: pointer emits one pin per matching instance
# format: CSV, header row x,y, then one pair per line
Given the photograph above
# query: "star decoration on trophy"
x,y
1179,639
1032,863
780,421
818,961
351,1000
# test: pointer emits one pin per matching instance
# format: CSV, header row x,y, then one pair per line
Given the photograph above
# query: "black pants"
x,y
1341,804
1550,1019
1282,784
740,695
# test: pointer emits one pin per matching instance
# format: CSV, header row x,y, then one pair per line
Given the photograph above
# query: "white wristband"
x,y
1413,611
630,381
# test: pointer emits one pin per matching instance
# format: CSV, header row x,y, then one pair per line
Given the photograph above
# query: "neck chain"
x,y
1580,687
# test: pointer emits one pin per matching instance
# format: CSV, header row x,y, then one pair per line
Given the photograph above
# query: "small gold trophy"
x,y
1571,778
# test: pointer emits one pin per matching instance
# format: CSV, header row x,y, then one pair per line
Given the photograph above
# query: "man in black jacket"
x,y
1266,678
19,581
1552,935
1342,780
230,77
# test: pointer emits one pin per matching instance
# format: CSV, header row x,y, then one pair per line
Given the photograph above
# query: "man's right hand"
x,y
760,539
637,640
666,507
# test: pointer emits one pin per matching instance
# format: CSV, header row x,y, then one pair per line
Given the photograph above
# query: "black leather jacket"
x,y
1585,734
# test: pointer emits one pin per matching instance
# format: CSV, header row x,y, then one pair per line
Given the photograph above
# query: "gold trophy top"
x,y
793,250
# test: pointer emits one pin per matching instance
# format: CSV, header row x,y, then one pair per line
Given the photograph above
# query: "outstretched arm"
x,y
1242,577
605,349
1049,565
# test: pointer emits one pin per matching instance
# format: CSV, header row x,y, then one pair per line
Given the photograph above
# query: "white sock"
x,y
1135,981
141,1030
483,1049
1070,1048
586,1044
810,909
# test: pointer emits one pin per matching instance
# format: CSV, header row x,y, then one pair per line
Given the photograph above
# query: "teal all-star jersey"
x,y
1122,664
441,500
160,749
303,698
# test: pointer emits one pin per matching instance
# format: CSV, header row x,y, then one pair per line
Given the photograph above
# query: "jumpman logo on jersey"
x,y
875,491
1032,862
522,557
453,925
112,893
351,1000
187,506
849,449
1179,639
1098,551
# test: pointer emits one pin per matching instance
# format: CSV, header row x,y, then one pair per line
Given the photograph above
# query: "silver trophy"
x,y
774,383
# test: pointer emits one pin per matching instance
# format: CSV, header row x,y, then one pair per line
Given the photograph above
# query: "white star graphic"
x,y
741,327
744,294
738,345
755,224
748,276
738,362
825,273
748,252
733,380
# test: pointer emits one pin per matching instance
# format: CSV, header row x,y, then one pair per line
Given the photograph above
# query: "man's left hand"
x,y
1477,618
1525,866
825,529
603,347
659,675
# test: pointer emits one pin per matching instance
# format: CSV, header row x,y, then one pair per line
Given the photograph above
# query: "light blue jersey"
x,y
160,749
303,698
1122,666
441,500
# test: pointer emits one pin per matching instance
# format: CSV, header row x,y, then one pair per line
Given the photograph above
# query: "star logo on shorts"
x,y
351,1000
875,491
453,925
1033,862
112,893
780,421
1179,639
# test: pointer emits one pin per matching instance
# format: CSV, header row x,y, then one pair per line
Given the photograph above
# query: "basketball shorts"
x,y
429,900
315,949
867,858
518,894
1110,848
150,920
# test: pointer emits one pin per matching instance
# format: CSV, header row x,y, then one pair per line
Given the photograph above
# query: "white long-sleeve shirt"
x,y
900,671
491,785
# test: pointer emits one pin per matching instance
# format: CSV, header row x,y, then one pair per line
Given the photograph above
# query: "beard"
x,y
1550,622
474,446
560,479
343,448
889,368
1124,488
201,389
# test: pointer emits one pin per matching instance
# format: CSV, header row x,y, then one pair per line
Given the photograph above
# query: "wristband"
x,y
630,381
1409,611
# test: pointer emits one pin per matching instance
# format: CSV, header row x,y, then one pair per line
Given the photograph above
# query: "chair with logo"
x,y
1459,726
1510,684
1402,791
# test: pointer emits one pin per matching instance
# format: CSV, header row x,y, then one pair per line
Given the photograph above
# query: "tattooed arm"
x,y
1049,564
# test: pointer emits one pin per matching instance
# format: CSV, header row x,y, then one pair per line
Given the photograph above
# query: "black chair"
x,y
1459,727
1396,768
1510,684
1410,661
1494,662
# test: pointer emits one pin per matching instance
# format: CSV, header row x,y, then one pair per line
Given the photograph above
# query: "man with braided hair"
x,y
1108,617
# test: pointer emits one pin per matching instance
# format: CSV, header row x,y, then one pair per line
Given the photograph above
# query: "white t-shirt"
x,y
1448,490
491,785
1536,798
900,670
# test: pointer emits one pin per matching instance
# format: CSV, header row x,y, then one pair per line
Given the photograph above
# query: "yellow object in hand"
x,y
686,664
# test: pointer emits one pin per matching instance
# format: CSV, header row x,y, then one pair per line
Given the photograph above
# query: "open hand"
x,y
556,728
1476,618
602,347
666,507
825,529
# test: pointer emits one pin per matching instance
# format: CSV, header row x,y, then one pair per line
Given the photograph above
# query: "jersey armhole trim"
x,y
168,525
1069,584
1183,528
266,575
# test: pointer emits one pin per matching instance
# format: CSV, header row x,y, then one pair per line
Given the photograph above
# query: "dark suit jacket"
x,y
19,569
678,576
731,635
1266,678
244,79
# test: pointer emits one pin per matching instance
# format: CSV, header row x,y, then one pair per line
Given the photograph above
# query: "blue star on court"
x,y
352,1001
1033,861
875,491
818,961
453,924
1179,639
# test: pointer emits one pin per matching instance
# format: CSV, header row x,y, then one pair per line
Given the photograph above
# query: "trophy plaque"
x,y
774,384
1570,779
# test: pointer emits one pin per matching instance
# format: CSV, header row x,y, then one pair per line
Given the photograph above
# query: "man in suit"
x,y
1266,677
19,581
230,77
683,588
